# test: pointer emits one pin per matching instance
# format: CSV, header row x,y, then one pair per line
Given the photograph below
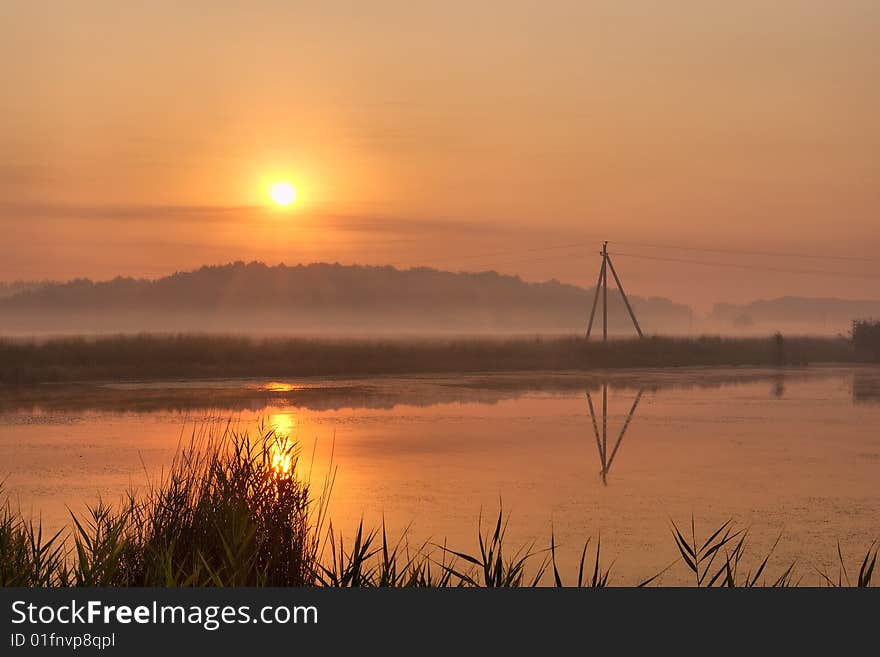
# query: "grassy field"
x,y
154,357
232,512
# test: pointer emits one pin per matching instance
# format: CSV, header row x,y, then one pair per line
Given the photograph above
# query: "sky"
x,y
716,145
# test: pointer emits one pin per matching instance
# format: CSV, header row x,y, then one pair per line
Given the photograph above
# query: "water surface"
x,y
793,451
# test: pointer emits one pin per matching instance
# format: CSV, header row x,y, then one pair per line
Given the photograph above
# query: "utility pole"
x,y
629,309
596,299
602,283
604,292
606,460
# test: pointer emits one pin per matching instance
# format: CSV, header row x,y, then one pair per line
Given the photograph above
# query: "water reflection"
x,y
389,393
605,459
779,386
866,387
707,441
284,424
281,386
283,459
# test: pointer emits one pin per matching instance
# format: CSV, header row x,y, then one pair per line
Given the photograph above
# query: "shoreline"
x,y
194,357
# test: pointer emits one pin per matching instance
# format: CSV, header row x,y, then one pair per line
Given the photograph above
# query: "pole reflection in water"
x,y
605,459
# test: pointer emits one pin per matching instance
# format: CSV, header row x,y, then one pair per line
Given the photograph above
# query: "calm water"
x,y
793,451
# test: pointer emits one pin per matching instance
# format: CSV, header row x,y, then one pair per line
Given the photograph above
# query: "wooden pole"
x,y
623,294
595,300
629,417
595,429
605,292
604,430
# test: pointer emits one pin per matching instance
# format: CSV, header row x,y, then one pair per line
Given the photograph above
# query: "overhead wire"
x,y
772,254
657,245
782,270
686,261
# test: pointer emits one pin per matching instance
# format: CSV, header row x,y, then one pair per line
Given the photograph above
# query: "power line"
x,y
528,260
515,251
577,245
496,263
773,254
591,245
658,245
820,272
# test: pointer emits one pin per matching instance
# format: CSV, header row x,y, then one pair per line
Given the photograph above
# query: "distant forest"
x,y
322,298
13,288
820,314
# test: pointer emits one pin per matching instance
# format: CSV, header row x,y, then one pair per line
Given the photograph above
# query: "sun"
x,y
283,193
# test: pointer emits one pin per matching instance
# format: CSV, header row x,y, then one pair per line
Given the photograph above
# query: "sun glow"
x,y
282,460
282,193
280,386
282,448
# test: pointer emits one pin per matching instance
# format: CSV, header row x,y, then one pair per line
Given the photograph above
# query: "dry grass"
x,y
155,357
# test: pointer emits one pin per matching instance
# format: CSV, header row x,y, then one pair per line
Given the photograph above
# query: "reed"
x,y
194,356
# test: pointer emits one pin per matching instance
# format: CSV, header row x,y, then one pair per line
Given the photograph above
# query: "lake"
x,y
790,451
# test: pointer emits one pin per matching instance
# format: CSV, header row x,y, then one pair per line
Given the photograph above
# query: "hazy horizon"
x,y
13,286
369,300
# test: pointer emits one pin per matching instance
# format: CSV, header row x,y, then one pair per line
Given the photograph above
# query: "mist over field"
x,y
323,298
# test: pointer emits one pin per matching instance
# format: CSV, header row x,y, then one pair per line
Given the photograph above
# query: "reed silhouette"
x,y
196,356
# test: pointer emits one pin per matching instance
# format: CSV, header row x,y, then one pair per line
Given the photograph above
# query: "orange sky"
x,y
138,140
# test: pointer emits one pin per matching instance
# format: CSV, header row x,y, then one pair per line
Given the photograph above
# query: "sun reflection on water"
x,y
282,449
282,461
281,386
